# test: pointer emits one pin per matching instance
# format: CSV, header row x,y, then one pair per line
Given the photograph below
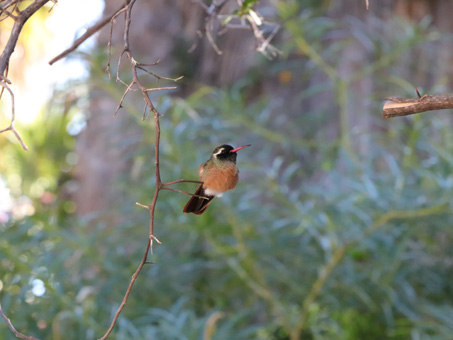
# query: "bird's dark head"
x,y
226,153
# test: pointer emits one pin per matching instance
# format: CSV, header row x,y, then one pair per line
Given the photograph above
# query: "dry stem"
x,y
397,107
11,327
159,184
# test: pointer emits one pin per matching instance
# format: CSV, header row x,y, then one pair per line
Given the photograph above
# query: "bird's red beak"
x,y
239,148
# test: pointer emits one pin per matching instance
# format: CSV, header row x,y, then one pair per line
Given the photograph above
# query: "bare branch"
x,y
185,193
161,88
6,80
129,288
21,142
208,31
9,14
141,67
90,31
120,104
142,205
181,181
19,23
13,110
11,127
396,107
11,327
159,185
144,111
249,21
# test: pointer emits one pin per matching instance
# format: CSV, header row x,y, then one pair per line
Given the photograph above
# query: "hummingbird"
x,y
218,174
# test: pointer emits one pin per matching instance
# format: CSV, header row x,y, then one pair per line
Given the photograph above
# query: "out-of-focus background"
x,y
340,227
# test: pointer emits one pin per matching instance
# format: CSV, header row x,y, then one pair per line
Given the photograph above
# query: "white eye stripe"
x,y
219,152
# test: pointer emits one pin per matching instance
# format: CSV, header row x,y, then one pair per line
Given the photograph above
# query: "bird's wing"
x,y
201,171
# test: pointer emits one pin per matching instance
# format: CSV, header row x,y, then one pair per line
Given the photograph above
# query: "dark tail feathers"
x,y
198,205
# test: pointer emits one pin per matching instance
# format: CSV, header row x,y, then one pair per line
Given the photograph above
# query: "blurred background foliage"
x,y
340,227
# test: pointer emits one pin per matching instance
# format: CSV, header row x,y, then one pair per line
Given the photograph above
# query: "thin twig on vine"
x,y
109,44
397,107
11,327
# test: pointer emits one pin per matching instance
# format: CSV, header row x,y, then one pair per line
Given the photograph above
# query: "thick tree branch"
x,y
17,28
396,107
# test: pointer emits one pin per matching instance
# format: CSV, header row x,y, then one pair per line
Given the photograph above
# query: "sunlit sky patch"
x,y
68,20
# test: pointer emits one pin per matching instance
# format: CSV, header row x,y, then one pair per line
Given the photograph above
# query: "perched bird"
x,y
218,174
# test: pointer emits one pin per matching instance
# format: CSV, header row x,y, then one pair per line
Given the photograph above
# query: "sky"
x,y
69,19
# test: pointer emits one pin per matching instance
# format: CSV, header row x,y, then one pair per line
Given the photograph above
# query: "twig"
x,y
142,67
182,181
250,21
128,291
165,186
397,107
185,193
11,327
109,44
208,31
161,88
120,104
144,112
11,127
159,184
6,80
264,43
8,13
